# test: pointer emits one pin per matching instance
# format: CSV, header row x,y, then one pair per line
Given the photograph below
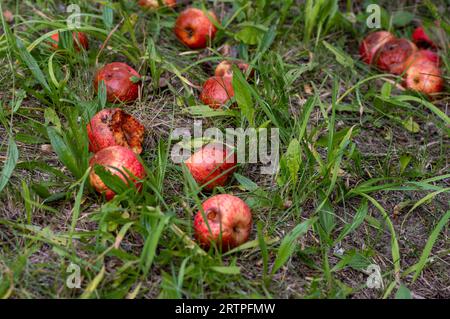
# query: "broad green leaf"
x,y
227,270
243,96
403,293
12,156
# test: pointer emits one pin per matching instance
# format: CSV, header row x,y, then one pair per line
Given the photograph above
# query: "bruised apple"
x,y
423,75
155,4
217,91
229,219
121,80
194,28
111,127
117,160
212,165
79,38
393,55
371,43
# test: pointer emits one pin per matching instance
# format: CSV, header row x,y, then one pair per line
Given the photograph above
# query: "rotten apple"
x,y
121,80
423,75
79,38
117,160
194,28
155,4
371,43
111,127
393,55
229,219
212,165
225,68
217,91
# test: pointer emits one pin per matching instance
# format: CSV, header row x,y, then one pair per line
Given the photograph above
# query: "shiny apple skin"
x,y
423,75
217,91
229,218
213,165
111,127
194,29
113,158
118,80
80,36
371,43
393,55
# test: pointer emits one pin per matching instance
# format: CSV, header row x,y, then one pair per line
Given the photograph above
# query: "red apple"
x,y
78,38
423,75
116,159
430,55
111,127
121,80
225,68
371,43
194,28
217,91
154,4
229,219
421,39
393,54
212,165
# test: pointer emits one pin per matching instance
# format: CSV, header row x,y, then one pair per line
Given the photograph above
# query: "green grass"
x,y
363,176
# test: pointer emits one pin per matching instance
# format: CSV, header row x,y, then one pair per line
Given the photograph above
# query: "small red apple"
x,y
217,91
421,39
393,54
423,75
194,28
225,68
212,165
229,219
154,4
78,38
111,127
430,55
116,159
121,80
371,43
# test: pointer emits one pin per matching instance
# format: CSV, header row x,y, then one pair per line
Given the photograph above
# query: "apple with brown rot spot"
x,y
229,220
121,80
116,159
194,28
393,55
111,127
371,43
217,91
212,165
79,38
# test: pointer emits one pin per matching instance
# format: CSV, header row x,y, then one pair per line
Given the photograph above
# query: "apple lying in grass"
x,y
225,68
229,219
111,127
430,55
371,43
217,91
155,4
421,39
212,165
194,28
121,80
423,75
117,160
393,55
79,38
